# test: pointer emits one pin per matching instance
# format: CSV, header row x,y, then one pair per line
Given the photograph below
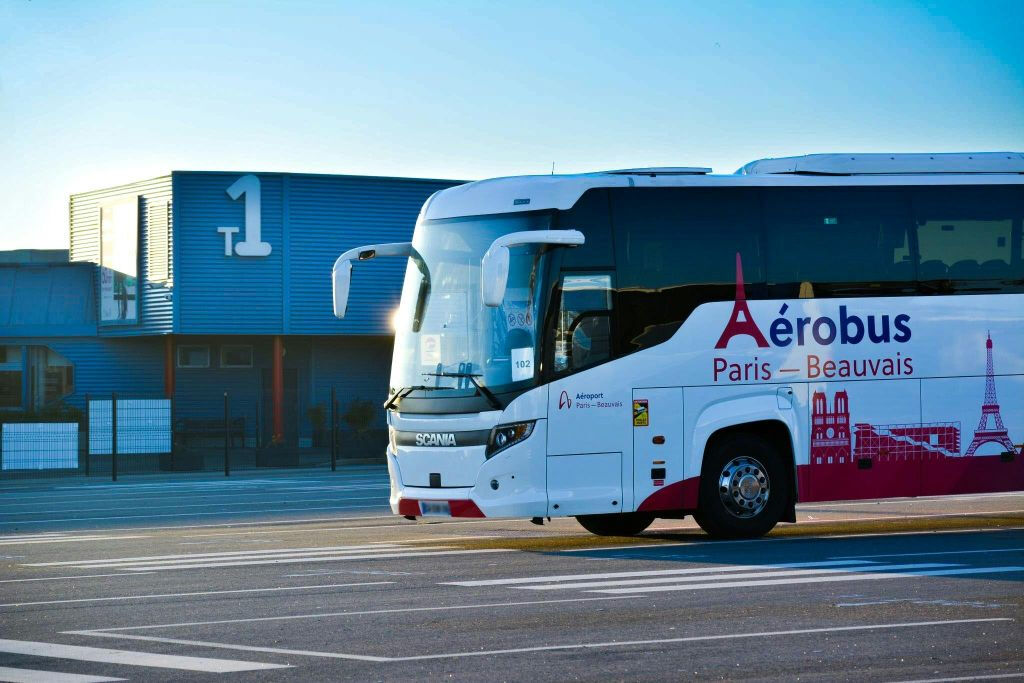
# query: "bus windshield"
x,y
443,332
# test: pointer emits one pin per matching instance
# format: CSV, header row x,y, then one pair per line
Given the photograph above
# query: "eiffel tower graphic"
x,y
990,409
741,322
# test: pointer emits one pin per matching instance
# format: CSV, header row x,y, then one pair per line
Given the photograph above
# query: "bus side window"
x,y
970,236
583,333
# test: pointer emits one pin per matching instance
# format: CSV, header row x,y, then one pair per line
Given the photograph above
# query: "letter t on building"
x,y
227,232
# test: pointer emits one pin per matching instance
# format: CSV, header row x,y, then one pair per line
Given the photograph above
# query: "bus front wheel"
x,y
616,524
743,488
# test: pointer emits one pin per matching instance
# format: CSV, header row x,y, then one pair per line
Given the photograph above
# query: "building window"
x,y
10,377
193,356
52,376
236,356
119,258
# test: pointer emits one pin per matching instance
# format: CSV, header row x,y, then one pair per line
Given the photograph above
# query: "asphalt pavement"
x,y
307,576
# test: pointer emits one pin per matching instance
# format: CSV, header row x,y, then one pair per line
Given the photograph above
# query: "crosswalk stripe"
x,y
63,539
731,576
808,579
195,593
217,555
166,564
11,675
106,656
653,572
329,558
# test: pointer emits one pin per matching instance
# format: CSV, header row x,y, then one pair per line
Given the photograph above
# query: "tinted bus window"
x,y
675,249
835,241
686,236
969,234
589,216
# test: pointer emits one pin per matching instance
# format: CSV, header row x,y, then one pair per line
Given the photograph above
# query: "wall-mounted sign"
x,y
119,260
252,243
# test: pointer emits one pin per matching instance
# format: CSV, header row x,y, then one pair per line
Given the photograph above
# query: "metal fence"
x,y
118,434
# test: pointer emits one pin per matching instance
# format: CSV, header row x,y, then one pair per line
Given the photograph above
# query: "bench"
x,y
189,427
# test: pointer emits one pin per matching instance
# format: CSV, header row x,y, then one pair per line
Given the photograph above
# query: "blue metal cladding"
x,y
156,271
215,293
308,220
47,299
329,215
357,369
131,367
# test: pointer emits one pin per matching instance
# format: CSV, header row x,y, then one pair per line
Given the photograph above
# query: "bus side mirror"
x,y
341,278
495,264
494,275
341,274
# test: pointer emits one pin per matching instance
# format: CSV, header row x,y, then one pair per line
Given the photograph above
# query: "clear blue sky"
x,y
97,93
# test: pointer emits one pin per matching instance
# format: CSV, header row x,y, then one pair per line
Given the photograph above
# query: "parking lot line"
x,y
519,580
10,674
549,648
810,579
103,655
184,595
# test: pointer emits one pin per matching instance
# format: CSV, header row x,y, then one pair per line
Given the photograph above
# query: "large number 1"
x,y
251,244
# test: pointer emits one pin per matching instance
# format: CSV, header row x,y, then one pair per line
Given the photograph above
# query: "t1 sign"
x,y
252,243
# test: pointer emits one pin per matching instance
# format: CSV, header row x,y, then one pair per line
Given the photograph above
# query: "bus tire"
x,y
616,524
744,487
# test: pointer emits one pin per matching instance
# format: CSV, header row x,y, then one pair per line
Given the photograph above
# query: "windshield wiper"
x,y
405,391
481,389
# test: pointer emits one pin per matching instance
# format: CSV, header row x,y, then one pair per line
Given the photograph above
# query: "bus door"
x,y
657,460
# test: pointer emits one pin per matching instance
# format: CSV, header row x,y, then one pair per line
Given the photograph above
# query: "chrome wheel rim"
x,y
743,486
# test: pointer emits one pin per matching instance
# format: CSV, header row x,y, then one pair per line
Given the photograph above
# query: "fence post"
x,y
227,437
113,436
170,417
87,435
334,432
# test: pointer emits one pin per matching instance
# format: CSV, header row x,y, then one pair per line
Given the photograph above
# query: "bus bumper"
x,y
512,484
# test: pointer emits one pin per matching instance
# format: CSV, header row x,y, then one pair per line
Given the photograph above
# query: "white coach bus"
x,y
654,343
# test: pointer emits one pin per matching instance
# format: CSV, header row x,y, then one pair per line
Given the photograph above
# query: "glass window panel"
x,y
684,236
583,336
235,356
10,388
969,233
821,235
191,356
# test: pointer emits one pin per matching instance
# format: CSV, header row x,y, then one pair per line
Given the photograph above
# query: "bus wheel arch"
x,y
743,458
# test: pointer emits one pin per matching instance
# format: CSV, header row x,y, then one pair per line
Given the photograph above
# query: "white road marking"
x,y
68,578
96,654
328,558
321,615
184,595
692,639
64,539
200,514
650,572
940,552
547,648
811,579
231,646
254,504
978,677
217,555
11,675
713,574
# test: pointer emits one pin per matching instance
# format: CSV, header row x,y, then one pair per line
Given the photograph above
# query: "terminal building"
x,y
194,284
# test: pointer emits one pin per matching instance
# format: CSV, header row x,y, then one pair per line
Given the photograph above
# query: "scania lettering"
x,y
655,343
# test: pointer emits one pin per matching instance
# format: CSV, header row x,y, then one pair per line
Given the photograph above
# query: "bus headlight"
x,y
504,436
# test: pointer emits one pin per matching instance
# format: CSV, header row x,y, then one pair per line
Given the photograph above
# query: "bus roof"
x,y
519,194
